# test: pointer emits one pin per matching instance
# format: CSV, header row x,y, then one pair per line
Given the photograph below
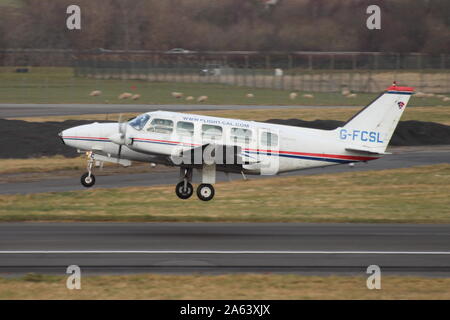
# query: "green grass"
x,y
226,286
58,85
410,195
10,3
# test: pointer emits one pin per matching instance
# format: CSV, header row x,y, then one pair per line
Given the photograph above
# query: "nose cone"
x,y
88,136
60,135
71,136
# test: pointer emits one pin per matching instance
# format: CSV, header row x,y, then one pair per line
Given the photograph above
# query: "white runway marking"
x,y
224,252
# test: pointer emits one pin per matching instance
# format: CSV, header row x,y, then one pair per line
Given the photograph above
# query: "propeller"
x,y
123,133
120,137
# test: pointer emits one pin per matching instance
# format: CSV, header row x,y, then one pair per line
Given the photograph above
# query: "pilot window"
x,y
161,126
211,132
185,128
269,139
140,121
240,135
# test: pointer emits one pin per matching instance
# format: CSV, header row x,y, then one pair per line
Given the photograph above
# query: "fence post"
x,y
420,69
46,90
375,61
447,84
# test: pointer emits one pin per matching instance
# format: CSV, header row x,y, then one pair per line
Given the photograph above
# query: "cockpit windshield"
x,y
139,122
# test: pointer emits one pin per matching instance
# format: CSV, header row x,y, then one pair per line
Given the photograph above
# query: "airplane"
x,y
211,144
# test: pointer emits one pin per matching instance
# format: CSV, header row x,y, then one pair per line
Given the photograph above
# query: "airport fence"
x,y
295,71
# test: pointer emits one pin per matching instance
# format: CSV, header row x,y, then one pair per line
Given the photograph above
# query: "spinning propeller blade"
x,y
123,133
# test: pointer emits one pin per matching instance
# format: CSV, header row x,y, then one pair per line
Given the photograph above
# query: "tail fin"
x,y
371,129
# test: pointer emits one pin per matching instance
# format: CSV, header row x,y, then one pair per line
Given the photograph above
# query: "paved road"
x,y
400,159
224,247
39,110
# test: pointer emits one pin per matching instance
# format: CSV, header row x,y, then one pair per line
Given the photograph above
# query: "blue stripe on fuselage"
x,y
302,157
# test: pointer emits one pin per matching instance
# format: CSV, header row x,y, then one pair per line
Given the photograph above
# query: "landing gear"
x,y
205,192
88,179
184,188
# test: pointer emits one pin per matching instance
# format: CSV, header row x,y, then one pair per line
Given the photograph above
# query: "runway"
x,y
39,110
401,158
111,248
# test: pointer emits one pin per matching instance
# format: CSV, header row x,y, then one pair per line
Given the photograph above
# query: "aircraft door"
x,y
268,150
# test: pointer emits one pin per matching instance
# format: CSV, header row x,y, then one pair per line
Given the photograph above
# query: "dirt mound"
x,y
22,139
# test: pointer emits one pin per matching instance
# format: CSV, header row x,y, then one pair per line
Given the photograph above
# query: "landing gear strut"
x,y
88,179
184,188
205,191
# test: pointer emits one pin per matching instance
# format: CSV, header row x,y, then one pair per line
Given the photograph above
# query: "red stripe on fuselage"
x,y
76,137
321,155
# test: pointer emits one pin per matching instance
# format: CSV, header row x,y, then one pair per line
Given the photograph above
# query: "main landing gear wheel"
x,y
184,192
88,180
205,192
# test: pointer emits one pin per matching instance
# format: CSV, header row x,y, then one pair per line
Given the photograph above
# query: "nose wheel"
x,y
88,179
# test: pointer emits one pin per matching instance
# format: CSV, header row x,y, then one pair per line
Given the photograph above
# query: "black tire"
x,y
87,181
184,194
205,192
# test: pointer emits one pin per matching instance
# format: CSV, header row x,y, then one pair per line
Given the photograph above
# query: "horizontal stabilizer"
x,y
365,150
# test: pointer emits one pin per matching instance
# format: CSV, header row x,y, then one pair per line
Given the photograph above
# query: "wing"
x,y
226,155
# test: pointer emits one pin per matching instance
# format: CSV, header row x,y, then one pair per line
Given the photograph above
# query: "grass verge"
x,y
409,195
41,165
228,286
58,85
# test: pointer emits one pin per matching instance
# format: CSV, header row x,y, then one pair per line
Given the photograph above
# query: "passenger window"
x,y
185,128
161,126
240,135
269,139
211,132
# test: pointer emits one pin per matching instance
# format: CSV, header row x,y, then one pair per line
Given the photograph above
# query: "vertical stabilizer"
x,y
373,126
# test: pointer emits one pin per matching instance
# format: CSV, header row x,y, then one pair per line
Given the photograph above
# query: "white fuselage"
x,y
267,148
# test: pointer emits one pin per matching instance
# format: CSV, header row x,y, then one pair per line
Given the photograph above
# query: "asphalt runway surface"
x,y
39,110
111,248
401,158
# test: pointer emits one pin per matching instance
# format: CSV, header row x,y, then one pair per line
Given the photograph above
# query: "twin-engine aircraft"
x,y
212,144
